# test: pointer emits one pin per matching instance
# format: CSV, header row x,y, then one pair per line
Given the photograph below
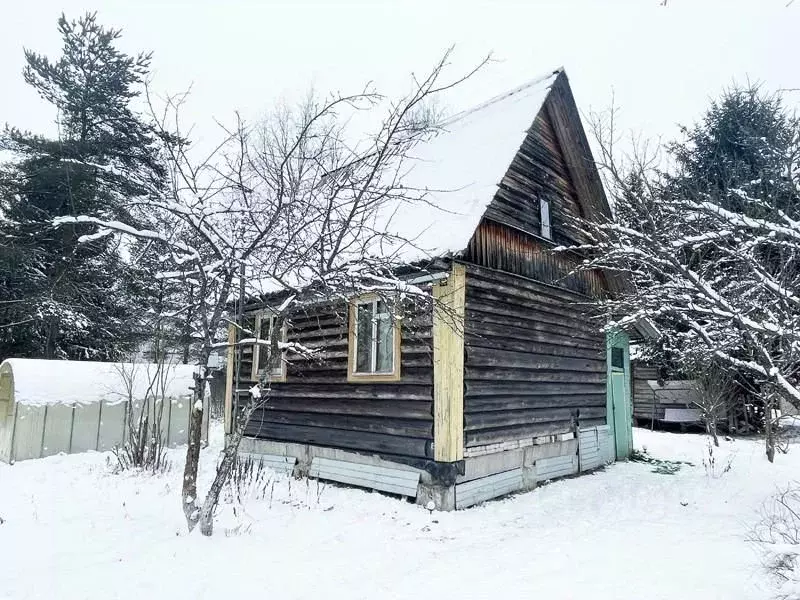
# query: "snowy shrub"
x,y
777,535
249,480
715,468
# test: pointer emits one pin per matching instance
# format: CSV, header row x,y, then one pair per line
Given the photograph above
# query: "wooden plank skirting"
x,y
486,488
281,464
393,481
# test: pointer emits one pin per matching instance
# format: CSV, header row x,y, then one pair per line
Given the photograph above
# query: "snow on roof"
x,y
461,169
40,382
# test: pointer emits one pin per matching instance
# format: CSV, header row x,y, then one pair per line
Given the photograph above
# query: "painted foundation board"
x,y
393,481
281,464
486,488
557,466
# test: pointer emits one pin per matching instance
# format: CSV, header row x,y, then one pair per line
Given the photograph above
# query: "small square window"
x,y
374,341
544,218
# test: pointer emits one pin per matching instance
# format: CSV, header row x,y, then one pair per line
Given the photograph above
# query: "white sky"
x,y
663,63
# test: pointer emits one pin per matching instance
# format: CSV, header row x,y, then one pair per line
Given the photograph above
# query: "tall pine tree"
x,y
64,293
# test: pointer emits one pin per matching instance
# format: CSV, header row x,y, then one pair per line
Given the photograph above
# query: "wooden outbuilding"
x,y
508,381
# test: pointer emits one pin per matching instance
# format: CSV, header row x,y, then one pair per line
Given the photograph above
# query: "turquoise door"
x,y
618,396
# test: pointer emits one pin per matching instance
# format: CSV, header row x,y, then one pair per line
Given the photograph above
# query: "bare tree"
x,y
298,204
714,390
146,388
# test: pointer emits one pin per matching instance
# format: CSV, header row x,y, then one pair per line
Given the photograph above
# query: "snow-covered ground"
x,y
74,530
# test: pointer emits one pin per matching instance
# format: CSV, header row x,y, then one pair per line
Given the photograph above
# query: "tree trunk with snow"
x,y
195,441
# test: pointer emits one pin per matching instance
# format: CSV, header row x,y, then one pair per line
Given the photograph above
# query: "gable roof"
x,y
461,168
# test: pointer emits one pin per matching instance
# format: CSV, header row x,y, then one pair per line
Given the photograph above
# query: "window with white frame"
x,y
544,218
374,341
267,355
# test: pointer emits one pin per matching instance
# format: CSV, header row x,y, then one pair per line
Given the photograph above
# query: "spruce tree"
x,y
63,294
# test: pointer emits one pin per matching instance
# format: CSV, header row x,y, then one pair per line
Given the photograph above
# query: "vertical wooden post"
x,y
448,367
229,380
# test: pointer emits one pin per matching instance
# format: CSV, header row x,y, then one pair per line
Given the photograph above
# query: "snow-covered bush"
x,y
777,535
716,466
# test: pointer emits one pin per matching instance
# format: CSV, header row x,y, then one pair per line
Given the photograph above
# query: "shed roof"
x,y
42,382
460,170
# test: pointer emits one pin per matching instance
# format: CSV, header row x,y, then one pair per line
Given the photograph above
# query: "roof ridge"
x,y
529,84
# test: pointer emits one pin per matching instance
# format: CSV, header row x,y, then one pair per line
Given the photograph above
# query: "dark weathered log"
x,y
482,357
474,389
518,401
389,409
379,424
533,347
503,434
508,418
338,438
533,376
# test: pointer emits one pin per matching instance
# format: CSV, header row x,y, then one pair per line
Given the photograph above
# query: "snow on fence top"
x,y
40,382
461,168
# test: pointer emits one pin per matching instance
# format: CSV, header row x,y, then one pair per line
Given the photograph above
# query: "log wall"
x,y
317,405
535,361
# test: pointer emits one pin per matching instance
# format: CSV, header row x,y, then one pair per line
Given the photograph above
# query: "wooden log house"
x,y
522,388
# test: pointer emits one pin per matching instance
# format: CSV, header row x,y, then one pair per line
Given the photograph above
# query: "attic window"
x,y
374,346
544,218
268,355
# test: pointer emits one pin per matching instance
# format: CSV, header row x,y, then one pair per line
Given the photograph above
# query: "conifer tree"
x,y
63,294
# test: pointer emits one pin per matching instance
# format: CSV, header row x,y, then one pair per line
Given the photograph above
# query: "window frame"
x,y
355,376
545,229
278,374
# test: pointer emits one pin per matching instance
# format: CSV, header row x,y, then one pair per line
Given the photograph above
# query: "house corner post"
x,y
448,366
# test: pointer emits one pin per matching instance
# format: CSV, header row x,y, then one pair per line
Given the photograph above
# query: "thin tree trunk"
x,y
189,495
769,432
223,471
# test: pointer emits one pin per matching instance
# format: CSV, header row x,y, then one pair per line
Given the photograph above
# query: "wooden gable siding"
x,y
539,170
535,362
501,247
317,405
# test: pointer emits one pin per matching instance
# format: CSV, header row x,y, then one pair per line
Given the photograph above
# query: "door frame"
x,y
623,441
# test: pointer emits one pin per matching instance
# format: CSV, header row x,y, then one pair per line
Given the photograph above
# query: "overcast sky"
x,y
662,62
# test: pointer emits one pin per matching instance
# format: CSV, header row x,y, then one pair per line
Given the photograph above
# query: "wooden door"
x,y
618,402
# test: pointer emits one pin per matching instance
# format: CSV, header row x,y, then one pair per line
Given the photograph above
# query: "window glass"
x,y
270,356
544,215
263,334
364,338
617,358
385,344
374,338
